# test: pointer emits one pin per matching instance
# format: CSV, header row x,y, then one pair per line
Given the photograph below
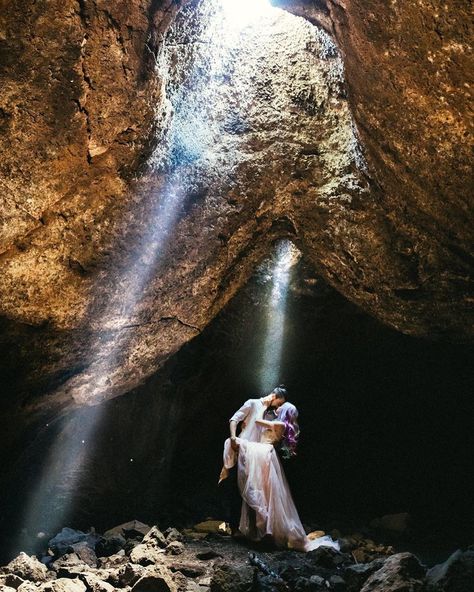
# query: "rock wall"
x,y
86,118
408,71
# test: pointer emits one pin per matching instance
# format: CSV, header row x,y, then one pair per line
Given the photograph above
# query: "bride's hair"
x,y
288,414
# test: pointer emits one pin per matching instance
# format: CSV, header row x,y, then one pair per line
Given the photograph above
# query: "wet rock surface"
x,y
219,563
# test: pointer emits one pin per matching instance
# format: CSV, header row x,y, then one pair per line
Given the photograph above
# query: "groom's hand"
x,y
234,444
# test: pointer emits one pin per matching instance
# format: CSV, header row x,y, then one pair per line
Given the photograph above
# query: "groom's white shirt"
x,y
250,411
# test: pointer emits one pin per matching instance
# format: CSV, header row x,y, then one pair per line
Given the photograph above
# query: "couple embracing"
x,y
268,511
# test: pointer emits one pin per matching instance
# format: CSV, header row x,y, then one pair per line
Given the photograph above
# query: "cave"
x,y
202,200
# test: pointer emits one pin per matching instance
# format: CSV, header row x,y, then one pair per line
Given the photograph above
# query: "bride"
x,y
268,508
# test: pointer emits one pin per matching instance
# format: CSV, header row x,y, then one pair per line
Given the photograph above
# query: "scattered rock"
x,y
327,557
158,581
173,534
316,534
337,583
107,546
130,545
85,553
129,574
129,530
317,581
456,574
356,575
175,548
64,541
213,526
28,568
227,578
394,523
64,585
95,584
10,580
190,570
116,560
400,573
155,537
27,587
69,565
146,554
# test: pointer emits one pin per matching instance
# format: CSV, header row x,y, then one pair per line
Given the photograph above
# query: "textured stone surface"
x,y
400,573
77,122
408,71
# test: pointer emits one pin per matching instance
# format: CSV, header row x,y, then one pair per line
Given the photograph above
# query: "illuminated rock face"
x,y
84,108
407,73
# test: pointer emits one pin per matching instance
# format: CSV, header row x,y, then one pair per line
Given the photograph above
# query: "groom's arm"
x,y
240,415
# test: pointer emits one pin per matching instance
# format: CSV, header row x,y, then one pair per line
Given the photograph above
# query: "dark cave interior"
x,y
384,417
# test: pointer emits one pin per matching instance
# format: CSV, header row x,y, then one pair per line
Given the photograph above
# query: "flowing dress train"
x,y
265,490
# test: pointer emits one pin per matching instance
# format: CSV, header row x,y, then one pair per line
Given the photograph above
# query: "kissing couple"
x,y
268,509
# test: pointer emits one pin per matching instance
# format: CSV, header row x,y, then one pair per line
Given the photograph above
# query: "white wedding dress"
x,y
265,490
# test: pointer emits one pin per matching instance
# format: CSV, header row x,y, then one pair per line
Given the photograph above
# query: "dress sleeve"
x,y
242,413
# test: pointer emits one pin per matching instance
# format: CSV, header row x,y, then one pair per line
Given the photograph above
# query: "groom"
x,y
251,410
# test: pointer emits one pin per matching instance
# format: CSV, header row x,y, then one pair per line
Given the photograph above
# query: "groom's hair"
x,y
280,391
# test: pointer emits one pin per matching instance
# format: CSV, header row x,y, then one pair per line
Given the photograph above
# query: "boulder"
x,y
64,585
133,529
95,584
27,587
227,578
107,546
10,581
173,534
28,568
316,534
456,574
85,553
159,580
400,573
144,554
69,565
337,583
130,573
64,541
212,526
114,561
326,557
155,537
356,575
175,548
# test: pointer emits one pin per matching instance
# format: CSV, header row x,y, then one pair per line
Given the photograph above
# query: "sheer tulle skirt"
x,y
268,507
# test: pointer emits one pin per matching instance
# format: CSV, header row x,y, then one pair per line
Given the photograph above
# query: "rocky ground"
x,y
139,558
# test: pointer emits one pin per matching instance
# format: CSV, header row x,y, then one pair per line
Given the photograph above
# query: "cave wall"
x,y
408,71
379,208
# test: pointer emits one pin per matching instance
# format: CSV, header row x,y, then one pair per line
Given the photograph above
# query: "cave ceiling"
x,y
346,131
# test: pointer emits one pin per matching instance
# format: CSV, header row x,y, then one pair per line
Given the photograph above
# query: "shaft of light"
x,y
270,371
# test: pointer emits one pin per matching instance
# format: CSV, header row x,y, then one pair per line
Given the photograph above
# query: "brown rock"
x,y
63,585
399,573
27,568
159,581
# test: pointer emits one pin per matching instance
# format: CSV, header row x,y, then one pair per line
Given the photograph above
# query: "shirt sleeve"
x,y
242,413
